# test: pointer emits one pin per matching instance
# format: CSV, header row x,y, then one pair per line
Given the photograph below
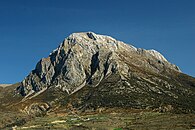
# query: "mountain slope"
x,y
90,71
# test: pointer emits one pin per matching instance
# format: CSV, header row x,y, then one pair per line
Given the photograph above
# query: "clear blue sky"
x,y
31,29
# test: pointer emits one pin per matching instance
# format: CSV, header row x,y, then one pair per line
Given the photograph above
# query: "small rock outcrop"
x,y
37,109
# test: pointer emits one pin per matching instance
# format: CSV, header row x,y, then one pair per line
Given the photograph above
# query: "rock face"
x,y
101,71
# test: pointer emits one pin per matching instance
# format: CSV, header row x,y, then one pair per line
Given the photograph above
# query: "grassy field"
x,y
113,121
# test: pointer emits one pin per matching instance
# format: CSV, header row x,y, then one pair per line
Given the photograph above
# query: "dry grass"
x,y
114,120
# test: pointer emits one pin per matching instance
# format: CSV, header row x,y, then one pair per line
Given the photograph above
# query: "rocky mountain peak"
x,y
92,36
87,58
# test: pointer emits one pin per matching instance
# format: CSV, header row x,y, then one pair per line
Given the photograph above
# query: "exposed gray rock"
x,y
37,109
87,58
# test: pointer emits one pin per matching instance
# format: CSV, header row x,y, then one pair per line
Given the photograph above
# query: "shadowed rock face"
x,y
137,77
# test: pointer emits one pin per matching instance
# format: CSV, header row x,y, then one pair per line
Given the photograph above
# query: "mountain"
x,y
93,78
91,71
